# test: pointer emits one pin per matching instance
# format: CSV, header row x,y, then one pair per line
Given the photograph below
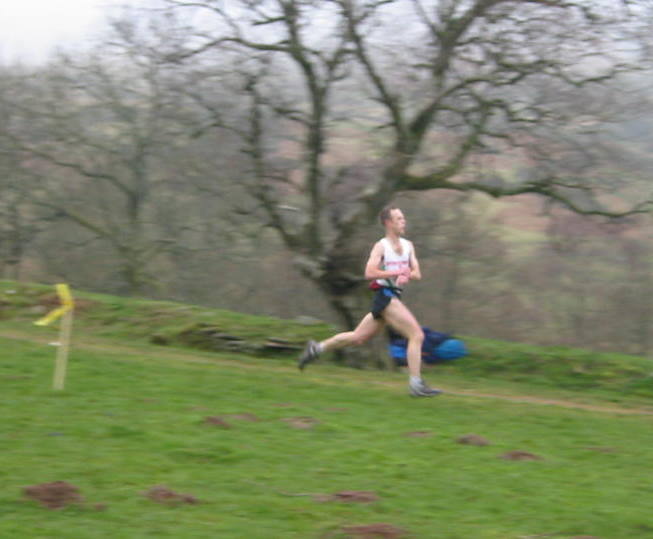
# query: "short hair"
x,y
384,214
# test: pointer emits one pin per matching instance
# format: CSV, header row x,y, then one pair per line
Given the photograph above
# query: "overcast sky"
x,y
31,29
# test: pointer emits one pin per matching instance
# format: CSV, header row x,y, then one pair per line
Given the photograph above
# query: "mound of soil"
x,y
419,434
349,496
519,455
162,494
221,420
302,422
56,495
473,439
217,421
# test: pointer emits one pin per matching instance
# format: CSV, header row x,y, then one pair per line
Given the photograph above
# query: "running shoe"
x,y
309,354
420,389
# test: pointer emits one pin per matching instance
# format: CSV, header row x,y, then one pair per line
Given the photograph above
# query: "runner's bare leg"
x,y
401,319
366,329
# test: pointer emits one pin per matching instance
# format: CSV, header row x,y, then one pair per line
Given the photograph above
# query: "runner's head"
x,y
392,218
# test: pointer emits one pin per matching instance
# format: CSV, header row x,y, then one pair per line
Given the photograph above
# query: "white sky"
x,y
31,29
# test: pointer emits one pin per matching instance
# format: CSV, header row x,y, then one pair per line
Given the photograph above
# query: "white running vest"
x,y
393,261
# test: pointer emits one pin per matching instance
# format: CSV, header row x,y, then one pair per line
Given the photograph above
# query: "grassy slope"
x,y
621,378
132,417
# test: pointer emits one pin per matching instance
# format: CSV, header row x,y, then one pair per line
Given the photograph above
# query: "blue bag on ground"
x,y
436,348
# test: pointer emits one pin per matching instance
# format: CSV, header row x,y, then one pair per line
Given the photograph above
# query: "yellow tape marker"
x,y
67,304
66,310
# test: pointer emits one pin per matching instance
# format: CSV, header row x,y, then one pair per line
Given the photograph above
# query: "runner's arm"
x,y
415,273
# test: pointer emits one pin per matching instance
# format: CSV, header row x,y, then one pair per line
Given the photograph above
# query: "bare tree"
x,y
632,309
17,227
469,77
463,249
20,221
98,134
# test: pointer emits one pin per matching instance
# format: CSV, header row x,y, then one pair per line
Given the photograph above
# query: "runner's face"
x,y
397,222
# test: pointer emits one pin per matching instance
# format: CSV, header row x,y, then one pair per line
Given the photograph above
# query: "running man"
x,y
391,265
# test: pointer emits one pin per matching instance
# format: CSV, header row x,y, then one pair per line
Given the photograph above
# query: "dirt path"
x,y
556,402
142,352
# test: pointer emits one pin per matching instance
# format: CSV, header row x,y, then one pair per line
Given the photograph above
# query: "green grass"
x,y
615,375
132,419
132,416
611,376
144,319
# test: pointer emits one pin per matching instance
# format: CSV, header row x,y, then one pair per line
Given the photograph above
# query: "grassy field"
x,y
268,452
